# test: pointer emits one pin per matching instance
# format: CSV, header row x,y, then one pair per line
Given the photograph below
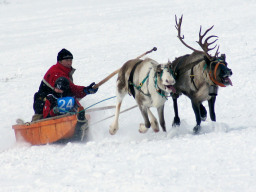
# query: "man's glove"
x,y
90,90
55,110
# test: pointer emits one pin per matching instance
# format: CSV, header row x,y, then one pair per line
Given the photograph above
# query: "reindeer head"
x,y
219,72
163,78
216,65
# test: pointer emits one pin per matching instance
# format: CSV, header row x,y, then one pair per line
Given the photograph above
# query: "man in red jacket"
x,y
63,68
62,102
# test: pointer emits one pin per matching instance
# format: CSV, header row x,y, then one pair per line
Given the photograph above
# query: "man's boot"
x,y
81,126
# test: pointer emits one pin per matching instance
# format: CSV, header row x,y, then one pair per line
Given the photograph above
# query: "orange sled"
x,y
46,130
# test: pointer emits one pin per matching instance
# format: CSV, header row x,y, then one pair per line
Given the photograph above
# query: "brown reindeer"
x,y
198,76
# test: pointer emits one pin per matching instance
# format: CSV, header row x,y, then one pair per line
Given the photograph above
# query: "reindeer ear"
x,y
223,56
170,64
158,68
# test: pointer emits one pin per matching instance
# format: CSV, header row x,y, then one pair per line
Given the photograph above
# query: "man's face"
x,y
66,63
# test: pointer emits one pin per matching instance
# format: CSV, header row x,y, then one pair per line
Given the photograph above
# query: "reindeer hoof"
x,y
176,122
196,129
203,118
142,128
113,130
155,126
156,130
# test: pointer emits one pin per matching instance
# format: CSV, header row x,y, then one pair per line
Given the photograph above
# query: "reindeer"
x,y
149,83
198,76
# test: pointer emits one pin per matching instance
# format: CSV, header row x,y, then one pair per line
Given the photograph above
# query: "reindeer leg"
x,y
153,121
176,120
196,109
160,111
211,103
114,126
203,112
144,127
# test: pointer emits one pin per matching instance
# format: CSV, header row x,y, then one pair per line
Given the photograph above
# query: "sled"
x,y
47,130
58,128
50,130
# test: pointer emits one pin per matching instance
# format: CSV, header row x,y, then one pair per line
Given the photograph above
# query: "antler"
x,y
204,46
178,27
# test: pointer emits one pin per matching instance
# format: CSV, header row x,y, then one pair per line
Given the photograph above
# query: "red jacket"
x,y
48,109
59,70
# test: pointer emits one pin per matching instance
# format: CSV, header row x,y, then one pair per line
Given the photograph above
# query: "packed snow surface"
x,y
102,35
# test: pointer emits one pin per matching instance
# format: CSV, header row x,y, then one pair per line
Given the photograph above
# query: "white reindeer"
x,y
149,83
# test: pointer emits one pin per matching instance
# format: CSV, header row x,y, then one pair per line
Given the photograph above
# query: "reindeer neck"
x,y
160,92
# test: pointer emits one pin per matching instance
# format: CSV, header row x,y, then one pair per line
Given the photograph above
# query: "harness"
x,y
158,90
192,77
213,76
131,85
177,71
212,73
130,80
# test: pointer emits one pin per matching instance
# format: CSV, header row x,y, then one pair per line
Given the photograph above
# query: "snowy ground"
x,y
102,35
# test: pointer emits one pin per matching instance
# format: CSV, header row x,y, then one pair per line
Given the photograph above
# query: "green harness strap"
x,y
158,90
140,84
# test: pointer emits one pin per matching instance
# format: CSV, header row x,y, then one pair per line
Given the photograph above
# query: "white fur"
x,y
148,66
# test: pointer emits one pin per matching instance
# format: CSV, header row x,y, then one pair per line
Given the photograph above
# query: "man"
x,y
63,68
61,101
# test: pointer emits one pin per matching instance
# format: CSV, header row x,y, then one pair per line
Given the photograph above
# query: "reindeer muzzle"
x,y
170,88
223,75
225,79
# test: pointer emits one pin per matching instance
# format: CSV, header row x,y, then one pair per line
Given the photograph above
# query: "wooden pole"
x,y
106,79
154,49
116,71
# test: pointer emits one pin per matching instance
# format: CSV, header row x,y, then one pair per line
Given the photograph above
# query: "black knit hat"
x,y
64,54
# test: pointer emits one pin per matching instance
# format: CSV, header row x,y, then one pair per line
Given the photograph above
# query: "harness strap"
x,y
130,80
182,69
192,76
140,84
214,77
158,90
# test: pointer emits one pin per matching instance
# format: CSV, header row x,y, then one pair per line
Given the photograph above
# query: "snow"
x,y
102,35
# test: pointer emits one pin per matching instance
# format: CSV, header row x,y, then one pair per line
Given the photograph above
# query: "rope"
x,y
90,105
99,102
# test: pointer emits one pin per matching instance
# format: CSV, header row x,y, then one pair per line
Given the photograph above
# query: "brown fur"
x,y
198,88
